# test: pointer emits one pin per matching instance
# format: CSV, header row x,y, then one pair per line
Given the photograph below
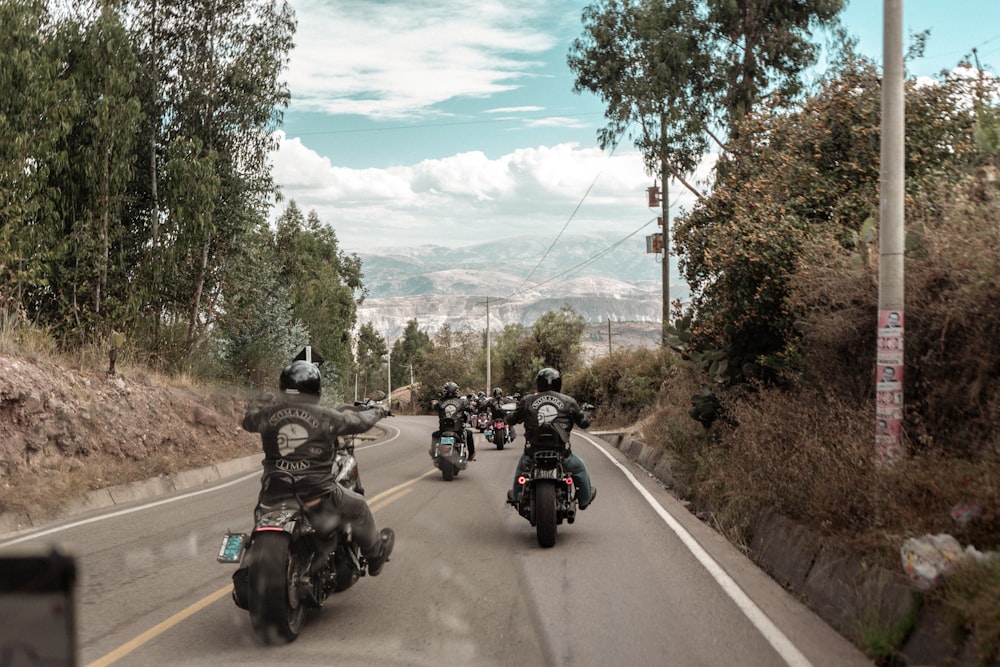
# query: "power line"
x,y
568,220
593,258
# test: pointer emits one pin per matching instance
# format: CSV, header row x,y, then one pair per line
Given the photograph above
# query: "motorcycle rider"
x,y
300,436
457,407
549,406
495,407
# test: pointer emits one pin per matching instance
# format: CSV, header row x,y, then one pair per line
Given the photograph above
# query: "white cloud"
x,y
397,60
468,197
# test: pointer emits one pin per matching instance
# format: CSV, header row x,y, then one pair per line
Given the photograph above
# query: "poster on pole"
x,y
889,385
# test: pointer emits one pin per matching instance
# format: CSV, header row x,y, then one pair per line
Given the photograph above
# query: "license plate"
x,y
231,548
541,473
447,440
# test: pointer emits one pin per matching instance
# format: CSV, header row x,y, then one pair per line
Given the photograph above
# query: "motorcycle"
x,y
448,449
499,435
482,421
294,558
548,493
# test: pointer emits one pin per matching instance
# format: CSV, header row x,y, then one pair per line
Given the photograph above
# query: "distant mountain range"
x,y
509,282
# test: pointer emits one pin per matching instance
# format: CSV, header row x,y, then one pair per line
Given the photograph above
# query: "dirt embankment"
x,y
66,431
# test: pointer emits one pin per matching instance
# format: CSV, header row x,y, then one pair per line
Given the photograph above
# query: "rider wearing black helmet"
x,y
549,406
457,407
300,437
495,406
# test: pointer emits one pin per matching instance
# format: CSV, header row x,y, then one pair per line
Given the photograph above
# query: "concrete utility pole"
x,y
665,213
489,378
665,269
889,362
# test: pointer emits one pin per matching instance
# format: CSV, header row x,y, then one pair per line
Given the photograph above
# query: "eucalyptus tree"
x,y
371,357
33,124
213,70
649,61
763,48
408,352
514,358
325,284
259,331
557,338
92,281
451,359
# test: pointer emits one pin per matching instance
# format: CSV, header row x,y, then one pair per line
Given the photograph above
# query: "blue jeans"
x,y
574,466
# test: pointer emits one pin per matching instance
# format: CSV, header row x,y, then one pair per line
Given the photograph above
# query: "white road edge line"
x,y
774,636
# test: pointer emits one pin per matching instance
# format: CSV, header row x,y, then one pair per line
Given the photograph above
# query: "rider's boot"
x,y
386,541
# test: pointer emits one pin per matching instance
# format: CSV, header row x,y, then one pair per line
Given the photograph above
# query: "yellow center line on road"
x,y
377,502
159,628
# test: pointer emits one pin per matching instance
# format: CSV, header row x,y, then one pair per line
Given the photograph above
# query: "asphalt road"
x,y
636,580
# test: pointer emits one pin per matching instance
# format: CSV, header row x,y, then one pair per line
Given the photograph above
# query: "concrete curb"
x,y
12,523
16,522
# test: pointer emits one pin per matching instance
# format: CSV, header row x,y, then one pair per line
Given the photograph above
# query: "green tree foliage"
x,y
134,143
451,359
676,72
38,108
513,360
558,336
218,91
325,283
794,178
259,332
623,385
88,280
371,354
555,339
408,352
646,59
762,48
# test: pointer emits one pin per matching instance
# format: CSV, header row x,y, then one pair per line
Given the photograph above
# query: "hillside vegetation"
x,y
780,339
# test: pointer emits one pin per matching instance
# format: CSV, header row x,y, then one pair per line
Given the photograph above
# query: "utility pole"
x,y
488,346
609,335
889,361
665,213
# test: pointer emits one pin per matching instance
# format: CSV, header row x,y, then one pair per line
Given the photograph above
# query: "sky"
x,y
452,122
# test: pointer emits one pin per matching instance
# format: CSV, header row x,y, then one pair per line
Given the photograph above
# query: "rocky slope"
x,y
65,431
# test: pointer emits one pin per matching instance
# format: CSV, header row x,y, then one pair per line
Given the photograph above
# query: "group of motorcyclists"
x,y
301,437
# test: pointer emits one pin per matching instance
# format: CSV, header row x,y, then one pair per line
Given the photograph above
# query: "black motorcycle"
x,y
499,435
293,559
548,494
448,448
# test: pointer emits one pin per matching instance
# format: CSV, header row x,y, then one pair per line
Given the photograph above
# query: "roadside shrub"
x,y
624,385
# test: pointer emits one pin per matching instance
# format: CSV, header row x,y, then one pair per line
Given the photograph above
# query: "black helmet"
x,y
300,377
497,392
548,379
450,389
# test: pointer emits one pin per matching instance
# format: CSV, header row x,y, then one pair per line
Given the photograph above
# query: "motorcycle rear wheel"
x,y
447,470
276,612
545,513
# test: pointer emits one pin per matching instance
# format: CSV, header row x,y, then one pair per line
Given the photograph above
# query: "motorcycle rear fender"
x,y
283,520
